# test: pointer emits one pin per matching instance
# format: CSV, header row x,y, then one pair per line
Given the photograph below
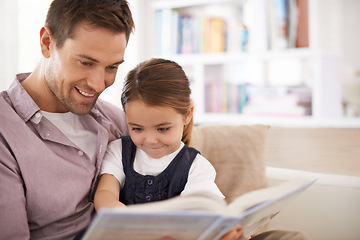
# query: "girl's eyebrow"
x,y
163,124
134,124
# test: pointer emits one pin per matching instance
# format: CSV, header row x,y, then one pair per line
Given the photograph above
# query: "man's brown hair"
x,y
64,15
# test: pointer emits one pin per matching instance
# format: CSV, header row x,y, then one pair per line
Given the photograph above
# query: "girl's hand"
x,y
235,234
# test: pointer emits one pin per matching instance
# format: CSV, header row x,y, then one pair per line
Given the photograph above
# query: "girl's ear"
x,y
45,41
189,114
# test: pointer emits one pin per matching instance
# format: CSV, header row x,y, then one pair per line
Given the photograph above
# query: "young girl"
x,y
155,162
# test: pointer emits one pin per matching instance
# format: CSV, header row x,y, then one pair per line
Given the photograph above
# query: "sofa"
x,y
250,157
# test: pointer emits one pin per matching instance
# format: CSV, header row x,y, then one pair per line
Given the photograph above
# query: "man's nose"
x,y
96,80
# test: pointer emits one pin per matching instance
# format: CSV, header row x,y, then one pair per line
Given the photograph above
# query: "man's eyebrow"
x,y
97,61
89,58
118,63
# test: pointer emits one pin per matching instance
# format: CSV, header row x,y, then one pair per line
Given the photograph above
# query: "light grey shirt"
x,y
47,183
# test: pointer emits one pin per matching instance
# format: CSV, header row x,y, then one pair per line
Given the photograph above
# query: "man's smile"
x,y
85,93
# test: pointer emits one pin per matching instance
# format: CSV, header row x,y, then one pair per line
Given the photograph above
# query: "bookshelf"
x,y
243,70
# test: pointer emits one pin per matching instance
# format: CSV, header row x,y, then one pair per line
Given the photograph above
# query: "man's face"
x,y
83,67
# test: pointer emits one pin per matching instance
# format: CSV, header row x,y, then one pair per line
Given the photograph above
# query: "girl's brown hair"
x,y
64,15
160,82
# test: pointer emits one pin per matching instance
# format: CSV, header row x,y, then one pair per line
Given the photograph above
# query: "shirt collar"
x,y
24,105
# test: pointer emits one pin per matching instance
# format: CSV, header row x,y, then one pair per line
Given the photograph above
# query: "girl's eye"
x,y
136,129
162,130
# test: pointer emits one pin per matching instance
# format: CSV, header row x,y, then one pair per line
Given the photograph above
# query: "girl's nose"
x,y
150,138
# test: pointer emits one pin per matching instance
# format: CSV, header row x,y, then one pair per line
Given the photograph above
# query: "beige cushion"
x,y
238,154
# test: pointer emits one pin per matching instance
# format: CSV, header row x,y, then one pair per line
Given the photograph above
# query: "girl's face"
x,y
157,130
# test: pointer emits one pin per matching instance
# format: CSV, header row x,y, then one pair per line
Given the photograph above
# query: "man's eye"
x,y
85,63
112,68
163,129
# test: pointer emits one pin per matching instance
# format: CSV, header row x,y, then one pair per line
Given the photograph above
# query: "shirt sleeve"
x,y
13,220
114,119
112,163
201,179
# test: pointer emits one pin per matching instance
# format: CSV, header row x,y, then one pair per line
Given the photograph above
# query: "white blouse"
x,y
201,175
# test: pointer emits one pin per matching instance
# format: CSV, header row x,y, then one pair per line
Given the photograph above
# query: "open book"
x,y
195,217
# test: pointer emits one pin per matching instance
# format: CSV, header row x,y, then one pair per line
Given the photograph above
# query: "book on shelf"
x,y
216,36
253,100
302,37
195,216
293,18
166,36
250,26
186,33
225,97
180,33
291,102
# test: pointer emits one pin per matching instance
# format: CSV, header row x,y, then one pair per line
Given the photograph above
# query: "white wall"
x,y
21,21
351,40
337,25
8,42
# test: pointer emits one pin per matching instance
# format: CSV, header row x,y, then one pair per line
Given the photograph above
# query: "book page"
x,y
268,203
254,198
196,202
138,226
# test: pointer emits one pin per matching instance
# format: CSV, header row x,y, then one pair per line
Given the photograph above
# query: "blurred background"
x,y
275,61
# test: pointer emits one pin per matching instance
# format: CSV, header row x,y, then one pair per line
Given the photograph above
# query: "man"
x,y
53,129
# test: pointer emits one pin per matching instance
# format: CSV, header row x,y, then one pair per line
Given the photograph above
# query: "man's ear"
x,y
46,40
189,114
